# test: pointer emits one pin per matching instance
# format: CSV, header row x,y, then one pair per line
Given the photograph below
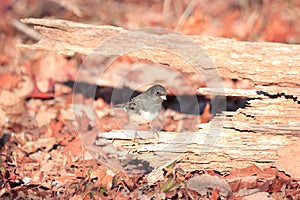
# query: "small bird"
x,y
145,107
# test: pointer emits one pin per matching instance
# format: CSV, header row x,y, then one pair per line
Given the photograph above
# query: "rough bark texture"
x,y
250,135
262,63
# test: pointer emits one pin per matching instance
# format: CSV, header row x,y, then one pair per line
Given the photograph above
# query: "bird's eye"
x,y
157,92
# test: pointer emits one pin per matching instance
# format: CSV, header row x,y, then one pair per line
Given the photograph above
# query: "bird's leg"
x,y
136,136
135,142
135,139
154,131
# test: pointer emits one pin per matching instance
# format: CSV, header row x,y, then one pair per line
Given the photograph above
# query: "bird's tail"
x,y
117,106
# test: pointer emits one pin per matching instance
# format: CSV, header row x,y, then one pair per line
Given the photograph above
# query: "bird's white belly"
x,y
143,118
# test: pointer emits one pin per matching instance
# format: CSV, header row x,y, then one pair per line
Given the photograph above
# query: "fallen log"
x,y
250,135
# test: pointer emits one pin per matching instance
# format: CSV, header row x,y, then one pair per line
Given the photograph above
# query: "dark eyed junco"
x,y
146,106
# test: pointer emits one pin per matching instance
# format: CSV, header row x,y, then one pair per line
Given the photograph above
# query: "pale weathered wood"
x,y
250,135
229,149
262,63
278,116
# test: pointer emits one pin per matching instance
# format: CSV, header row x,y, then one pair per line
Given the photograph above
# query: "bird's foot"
x,y
136,137
154,131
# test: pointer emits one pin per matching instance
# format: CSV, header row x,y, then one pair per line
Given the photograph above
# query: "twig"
x,y
27,30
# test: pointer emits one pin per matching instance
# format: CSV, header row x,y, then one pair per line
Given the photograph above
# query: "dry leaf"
x,y
289,160
74,147
259,196
44,117
207,183
8,98
2,117
46,143
50,66
8,80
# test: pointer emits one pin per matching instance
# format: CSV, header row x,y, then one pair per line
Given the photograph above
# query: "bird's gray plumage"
x,y
146,106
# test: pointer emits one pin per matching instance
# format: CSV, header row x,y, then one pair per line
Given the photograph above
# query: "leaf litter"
x,y
41,154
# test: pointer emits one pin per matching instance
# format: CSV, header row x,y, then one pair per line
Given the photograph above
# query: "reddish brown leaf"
x,y
8,80
74,147
215,194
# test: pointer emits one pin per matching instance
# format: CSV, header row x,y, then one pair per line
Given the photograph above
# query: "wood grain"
x,y
250,135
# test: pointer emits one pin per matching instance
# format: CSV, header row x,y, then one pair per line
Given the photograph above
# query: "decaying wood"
x,y
261,63
231,148
250,135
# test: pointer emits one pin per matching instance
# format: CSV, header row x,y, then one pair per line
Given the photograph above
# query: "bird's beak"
x,y
163,97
